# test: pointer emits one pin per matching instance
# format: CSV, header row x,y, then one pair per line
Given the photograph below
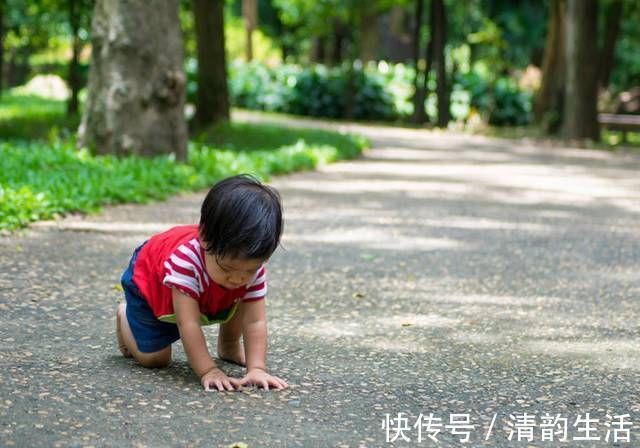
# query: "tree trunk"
x,y
74,66
15,73
581,85
318,53
427,72
135,102
396,20
352,52
250,14
549,100
283,37
339,34
212,100
419,92
2,2
607,54
439,39
368,34
289,49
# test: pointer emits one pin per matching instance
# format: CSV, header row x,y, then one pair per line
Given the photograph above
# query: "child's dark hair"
x,y
241,218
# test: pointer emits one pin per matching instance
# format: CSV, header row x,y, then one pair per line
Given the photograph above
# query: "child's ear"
x,y
203,243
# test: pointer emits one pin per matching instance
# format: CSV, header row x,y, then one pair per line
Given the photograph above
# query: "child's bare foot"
x,y
120,313
232,352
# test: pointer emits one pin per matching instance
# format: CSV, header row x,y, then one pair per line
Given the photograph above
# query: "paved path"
x,y
437,274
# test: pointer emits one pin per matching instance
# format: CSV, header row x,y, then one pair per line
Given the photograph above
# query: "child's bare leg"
x,y
158,359
121,345
230,347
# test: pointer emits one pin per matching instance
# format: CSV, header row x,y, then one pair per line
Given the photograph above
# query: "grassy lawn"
x,y
46,176
33,117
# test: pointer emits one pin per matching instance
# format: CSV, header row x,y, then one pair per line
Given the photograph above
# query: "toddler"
x,y
203,274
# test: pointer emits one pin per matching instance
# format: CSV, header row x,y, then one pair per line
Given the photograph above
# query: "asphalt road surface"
x,y
441,287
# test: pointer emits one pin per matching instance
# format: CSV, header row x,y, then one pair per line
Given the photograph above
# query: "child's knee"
x,y
156,360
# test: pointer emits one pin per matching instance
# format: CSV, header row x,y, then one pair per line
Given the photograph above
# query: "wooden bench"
x,y
620,122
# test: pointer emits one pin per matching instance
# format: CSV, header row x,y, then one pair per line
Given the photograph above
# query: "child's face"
x,y
232,272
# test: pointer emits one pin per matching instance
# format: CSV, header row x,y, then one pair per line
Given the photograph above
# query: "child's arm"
x,y
254,334
188,319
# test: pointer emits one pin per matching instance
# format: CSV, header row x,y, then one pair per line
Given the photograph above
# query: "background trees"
x,y
435,62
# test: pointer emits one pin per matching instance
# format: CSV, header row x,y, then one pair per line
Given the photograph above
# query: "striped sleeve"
x,y
257,288
183,270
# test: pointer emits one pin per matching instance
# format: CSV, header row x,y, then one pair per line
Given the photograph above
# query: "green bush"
x,y
316,91
398,82
381,92
512,106
39,180
502,103
255,86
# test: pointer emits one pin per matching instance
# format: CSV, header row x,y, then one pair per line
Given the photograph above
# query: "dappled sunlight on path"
x,y
438,273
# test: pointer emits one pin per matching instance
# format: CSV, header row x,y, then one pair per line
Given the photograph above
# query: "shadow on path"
x,y
438,273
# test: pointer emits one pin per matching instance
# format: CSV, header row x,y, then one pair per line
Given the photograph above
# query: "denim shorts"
x,y
151,334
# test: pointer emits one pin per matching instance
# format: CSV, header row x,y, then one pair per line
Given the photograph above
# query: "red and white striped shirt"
x,y
175,259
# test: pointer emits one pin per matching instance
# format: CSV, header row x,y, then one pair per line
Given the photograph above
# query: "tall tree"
x,y
2,6
439,30
250,14
212,99
318,50
79,12
74,65
368,33
549,100
607,53
428,56
136,92
338,43
419,115
352,52
581,83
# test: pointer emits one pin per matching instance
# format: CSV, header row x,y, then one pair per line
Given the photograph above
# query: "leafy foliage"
x,y
315,91
626,71
502,102
39,180
38,36
383,92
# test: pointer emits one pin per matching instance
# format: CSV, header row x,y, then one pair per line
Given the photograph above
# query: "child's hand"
x,y
262,379
217,378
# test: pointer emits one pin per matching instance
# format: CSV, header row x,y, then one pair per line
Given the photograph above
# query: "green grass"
x,y
248,137
41,178
30,116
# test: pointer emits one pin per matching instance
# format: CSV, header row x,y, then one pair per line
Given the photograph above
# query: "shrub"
x,y
316,91
39,180
512,106
381,92
502,103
